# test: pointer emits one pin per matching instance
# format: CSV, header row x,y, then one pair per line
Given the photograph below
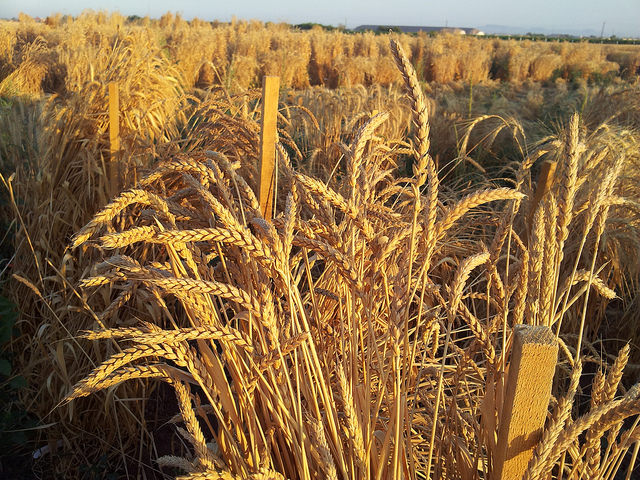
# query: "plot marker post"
x,y
268,136
114,138
533,363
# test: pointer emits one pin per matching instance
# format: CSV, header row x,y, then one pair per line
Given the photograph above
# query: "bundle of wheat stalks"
x,y
365,332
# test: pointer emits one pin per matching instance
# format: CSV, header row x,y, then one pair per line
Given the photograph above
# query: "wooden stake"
x,y
545,180
114,138
531,370
270,93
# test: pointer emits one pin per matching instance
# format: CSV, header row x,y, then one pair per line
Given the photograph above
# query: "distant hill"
x,y
511,30
417,28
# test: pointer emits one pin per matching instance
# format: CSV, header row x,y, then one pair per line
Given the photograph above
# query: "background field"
x,y
406,234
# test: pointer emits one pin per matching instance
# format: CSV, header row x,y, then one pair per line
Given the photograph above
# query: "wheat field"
x,y
163,328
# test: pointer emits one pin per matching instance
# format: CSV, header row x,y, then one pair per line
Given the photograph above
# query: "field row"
x,y
37,57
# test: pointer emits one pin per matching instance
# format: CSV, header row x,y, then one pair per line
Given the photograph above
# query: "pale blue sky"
x,y
622,17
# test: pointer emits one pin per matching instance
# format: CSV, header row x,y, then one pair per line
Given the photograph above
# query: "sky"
x,y
620,17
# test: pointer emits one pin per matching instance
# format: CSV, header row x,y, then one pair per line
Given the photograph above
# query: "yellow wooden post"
x,y
114,138
268,132
533,363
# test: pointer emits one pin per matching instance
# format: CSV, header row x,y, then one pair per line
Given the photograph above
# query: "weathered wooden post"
x,y
268,132
545,180
533,363
114,138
